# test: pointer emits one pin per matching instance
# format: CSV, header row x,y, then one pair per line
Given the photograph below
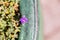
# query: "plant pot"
x,y
29,30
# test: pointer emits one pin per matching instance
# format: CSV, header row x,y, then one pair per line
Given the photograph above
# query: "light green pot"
x,y
29,30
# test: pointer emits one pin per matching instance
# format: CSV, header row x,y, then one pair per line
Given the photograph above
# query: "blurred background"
x,y
50,11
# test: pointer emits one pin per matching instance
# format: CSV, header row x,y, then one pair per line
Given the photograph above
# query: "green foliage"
x,y
9,26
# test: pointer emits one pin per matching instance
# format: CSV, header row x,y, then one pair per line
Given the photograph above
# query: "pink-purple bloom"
x,y
23,20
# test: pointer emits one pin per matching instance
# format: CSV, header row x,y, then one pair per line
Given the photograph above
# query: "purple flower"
x,y
23,20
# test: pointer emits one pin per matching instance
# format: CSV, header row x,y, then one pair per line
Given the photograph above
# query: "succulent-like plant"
x,y
9,19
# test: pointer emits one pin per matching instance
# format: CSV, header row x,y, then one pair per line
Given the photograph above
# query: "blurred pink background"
x,y
51,18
